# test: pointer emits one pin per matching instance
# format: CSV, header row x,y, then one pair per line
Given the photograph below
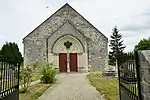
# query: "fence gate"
x,y
9,79
129,78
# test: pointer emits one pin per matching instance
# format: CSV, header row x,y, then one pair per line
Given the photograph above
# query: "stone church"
x,y
68,41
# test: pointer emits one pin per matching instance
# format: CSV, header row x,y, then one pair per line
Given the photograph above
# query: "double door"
x,y
72,63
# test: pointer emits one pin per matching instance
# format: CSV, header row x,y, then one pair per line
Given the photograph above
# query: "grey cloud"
x,y
141,22
134,27
145,12
133,39
19,17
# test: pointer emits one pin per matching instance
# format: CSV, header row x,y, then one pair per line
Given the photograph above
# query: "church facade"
x,y
68,41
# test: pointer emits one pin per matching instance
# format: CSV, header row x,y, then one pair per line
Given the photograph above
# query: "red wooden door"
x,y
63,62
73,62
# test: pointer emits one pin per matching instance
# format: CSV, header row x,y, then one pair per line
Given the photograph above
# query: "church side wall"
x,y
34,50
98,56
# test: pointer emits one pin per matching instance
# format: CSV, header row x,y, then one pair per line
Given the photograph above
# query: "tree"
x,y
0,52
144,44
127,56
11,50
112,60
116,45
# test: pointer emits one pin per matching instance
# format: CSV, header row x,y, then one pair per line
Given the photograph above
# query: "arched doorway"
x,y
67,59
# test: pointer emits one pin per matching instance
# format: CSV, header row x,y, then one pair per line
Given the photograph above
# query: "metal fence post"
x,y
117,61
138,74
9,81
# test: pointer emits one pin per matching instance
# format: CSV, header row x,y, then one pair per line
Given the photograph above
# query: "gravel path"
x,y
74,86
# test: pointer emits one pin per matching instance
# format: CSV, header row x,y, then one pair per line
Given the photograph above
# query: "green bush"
x,y
25,78
48,74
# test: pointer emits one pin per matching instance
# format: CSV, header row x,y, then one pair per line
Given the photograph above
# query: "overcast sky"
x,y
132,17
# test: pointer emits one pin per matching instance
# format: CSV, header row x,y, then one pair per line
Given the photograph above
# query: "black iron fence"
x,y
129,79
9,79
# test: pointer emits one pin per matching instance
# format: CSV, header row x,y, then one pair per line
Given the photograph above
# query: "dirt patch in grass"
x,y
34,92
105,85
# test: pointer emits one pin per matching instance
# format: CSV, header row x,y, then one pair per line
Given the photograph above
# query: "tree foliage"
x,y
112,60
11,50
0,52
127,56
144,44
116,46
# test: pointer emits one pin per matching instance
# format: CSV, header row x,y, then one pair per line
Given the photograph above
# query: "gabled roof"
x,y
59,10
63,25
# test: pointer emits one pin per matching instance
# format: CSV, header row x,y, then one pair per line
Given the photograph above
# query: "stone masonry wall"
x,y
97,42
35,43
144,58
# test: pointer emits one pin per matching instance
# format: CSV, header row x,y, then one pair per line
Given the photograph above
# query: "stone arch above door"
x,y
66,32
76,46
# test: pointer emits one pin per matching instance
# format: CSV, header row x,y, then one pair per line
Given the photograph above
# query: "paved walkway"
x,y
74,86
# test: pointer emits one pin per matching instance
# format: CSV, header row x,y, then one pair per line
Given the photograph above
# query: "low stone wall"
x,y
144,59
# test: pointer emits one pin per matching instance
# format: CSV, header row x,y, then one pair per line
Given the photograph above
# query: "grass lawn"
x,y
105,85
34,92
